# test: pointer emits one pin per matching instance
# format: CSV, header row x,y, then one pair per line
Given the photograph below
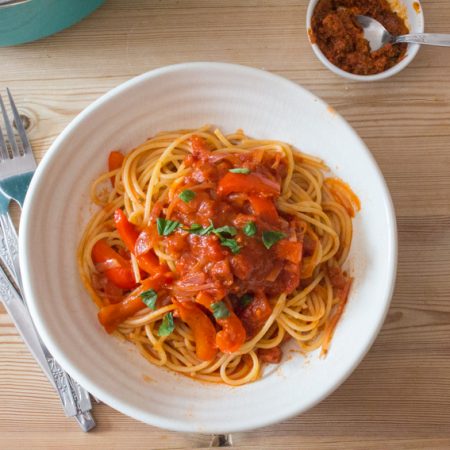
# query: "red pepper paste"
x,y
341,39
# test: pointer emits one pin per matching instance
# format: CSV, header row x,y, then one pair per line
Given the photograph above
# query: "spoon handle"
x,y
442,40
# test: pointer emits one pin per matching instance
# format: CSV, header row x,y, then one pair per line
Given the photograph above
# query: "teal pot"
x,y
27,20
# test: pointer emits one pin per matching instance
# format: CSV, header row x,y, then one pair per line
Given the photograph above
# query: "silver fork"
x,y
15,177
16,171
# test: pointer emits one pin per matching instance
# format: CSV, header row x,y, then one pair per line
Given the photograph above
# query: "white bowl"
x,y
415,22
57,207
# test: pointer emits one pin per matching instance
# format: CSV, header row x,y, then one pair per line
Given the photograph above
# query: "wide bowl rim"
x,y
413,49
94,386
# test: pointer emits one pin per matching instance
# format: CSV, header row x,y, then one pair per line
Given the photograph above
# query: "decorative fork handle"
x,y
5,255
75,399
10,249
22,320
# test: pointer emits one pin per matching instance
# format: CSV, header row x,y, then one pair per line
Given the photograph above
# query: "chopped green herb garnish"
x,y
243,170
167,326
245,300
220,310
201,231
187,195
250,229
149,298
270,238
166,226
226,230
231,244
195,227
223,233
207,230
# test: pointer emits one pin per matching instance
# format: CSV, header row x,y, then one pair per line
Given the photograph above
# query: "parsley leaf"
x,y
187,195
195,227
245,300
270,238
201,231
220,310
222,233
207,230
166,226
149,298
231,244
225,230
243,170
250,229
167,326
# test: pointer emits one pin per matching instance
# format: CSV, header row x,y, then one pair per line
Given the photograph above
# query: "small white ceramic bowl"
x,y
415,23
57,208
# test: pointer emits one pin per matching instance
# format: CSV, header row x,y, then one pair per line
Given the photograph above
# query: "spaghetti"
x,y
209,251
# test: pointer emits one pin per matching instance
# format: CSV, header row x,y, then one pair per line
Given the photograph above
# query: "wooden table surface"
x,y
399,396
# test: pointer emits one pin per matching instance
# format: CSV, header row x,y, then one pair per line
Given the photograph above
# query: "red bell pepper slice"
x,y
252,183
122,276
111,316
291,251
202,328
232,336
129,234
264,208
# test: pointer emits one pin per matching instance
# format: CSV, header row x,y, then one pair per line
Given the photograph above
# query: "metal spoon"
x,y
378,36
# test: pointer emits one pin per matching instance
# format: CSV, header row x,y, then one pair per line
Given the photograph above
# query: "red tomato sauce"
x,y
341,39
206,270
234,251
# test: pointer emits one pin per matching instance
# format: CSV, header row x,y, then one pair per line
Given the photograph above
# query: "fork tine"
x,y
3,149
19,125
9,129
